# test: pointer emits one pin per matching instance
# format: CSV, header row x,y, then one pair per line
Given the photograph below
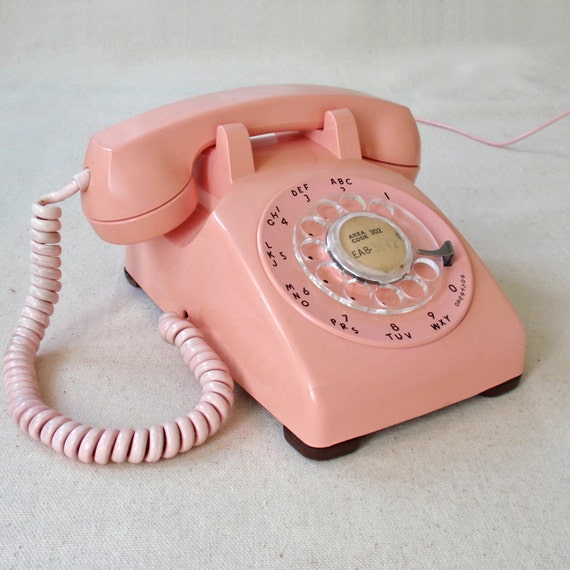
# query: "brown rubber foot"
x,y
320,453
129,279
502,388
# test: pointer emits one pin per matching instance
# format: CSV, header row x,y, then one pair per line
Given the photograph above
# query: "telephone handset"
x,y
141,170
285,223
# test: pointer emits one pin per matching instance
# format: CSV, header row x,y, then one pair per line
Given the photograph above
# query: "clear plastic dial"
x,y
361,251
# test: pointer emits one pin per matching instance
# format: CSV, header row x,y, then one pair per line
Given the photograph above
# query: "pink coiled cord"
x,y
75,440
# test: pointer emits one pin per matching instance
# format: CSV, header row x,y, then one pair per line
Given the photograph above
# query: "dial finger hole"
x,y
413,287
352,203
388,296
381,208
329,210
312,226
357,291
426,269
330,274
313,250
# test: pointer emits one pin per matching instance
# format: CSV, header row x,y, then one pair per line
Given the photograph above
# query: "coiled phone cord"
x,y
70,437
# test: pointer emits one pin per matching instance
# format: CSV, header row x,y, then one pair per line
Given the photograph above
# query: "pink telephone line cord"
x,y
90,444
490,142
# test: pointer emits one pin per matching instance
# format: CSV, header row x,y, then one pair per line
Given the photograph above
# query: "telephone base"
x,y
502,388
350,445
321,453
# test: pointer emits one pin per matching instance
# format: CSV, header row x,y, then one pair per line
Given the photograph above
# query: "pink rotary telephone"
x,y
285,223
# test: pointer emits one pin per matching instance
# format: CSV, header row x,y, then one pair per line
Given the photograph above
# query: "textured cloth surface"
x,y
482,484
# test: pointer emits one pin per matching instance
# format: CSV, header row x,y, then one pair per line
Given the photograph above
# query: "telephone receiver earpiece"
x,y
141,169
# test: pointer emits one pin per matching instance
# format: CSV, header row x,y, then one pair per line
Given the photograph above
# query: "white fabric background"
x,y
482,484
